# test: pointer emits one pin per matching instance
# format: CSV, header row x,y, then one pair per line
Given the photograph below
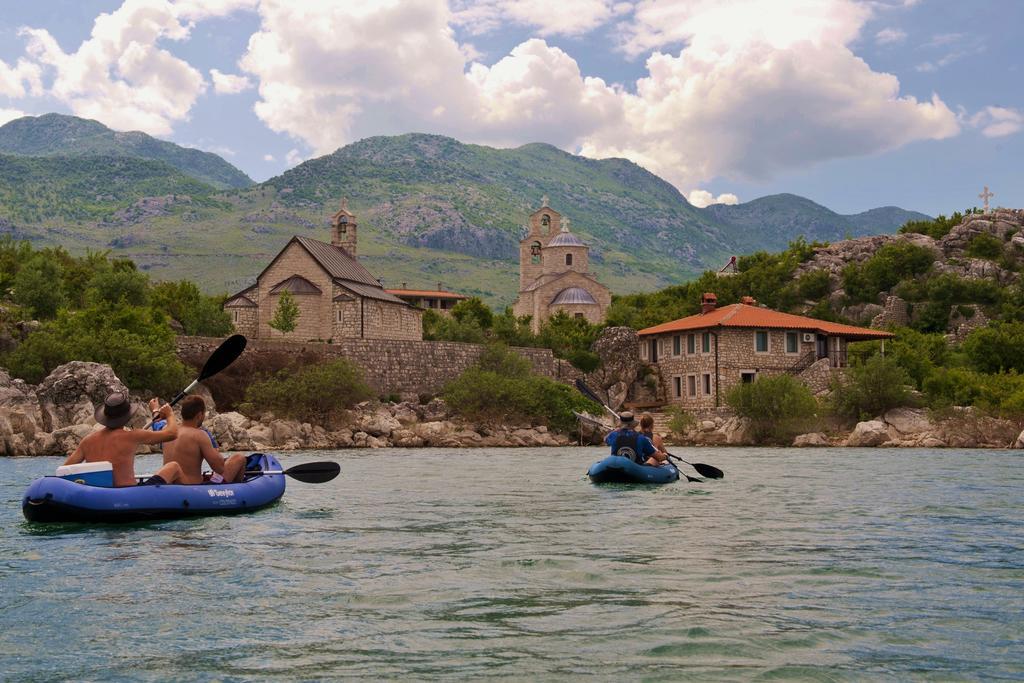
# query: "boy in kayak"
x,y
647,429
628,442
194,445
117,445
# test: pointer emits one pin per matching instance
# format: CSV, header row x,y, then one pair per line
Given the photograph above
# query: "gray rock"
x,y
909,420
618,349
1019,443
870,433
813,439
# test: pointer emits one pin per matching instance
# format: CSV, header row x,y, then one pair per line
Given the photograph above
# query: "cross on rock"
x,y
985,196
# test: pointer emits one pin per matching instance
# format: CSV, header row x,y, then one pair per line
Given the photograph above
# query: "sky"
x,y
852,103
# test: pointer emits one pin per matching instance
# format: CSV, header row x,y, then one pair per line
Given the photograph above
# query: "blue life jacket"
x,y
627,444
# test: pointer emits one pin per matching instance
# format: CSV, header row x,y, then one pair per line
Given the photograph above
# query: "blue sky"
x,y
852,103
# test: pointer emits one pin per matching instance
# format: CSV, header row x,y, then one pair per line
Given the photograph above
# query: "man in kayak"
x,y
628,442
194,445
117,445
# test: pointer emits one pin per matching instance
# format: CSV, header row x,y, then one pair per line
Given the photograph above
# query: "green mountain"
x,y
771,222
59,135
430,209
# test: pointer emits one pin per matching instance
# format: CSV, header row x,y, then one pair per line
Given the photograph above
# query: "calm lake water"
x,y
412,564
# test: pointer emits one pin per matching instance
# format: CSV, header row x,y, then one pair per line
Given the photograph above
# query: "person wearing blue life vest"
x,y
628,442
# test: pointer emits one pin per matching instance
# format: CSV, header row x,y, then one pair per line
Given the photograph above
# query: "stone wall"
x,y
405,367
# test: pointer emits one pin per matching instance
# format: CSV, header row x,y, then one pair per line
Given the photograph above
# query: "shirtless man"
x,y
117,445
193,446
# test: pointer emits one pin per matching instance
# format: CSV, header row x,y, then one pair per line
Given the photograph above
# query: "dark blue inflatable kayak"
x,y
53,499
619,470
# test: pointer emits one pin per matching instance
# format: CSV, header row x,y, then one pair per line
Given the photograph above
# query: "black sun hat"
x,y
626,418
115,412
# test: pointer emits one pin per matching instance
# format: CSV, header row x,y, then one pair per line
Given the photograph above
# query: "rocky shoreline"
x,y
52,417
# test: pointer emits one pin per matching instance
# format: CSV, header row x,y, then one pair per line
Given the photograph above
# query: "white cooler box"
x,y
88,473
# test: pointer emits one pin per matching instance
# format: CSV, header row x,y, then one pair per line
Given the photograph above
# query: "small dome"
x,y
574,295
566,239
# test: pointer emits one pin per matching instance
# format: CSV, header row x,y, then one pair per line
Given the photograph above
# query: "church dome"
x,y
566,239
573,295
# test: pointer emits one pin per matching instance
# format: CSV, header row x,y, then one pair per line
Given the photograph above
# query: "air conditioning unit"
x,y
808,336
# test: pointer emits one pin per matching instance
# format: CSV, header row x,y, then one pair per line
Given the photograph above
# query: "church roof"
x,y
574,295
240,301
566,239
296,284
548,278
342,268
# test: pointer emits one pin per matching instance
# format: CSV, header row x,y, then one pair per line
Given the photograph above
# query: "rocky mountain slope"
x,y
430,209
58,135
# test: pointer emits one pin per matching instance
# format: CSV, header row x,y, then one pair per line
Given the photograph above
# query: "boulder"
x,y
406,438
69,395
738,431
814,439
1019,443
432,432
434,411
20,416
870,433
908,421
405,413
380,422
618,350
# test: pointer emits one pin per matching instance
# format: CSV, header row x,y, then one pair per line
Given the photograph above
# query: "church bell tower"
x,y
343,229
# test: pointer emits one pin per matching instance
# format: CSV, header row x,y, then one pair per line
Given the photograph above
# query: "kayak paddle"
x,y
309,472
225,354
708,471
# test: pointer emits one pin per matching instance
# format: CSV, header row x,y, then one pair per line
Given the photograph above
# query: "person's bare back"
x,y
194,445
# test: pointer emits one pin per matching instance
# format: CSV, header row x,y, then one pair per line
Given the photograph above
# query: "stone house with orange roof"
x,y
554,272
438,300
336,296
701,357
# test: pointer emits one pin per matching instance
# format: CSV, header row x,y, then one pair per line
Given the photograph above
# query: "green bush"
x,y
313,393
891,263
984,246
939,227
871,389
37,286
473,309
918,353
198,313
679,421
996,348
498,388
999,393
778,406
135,341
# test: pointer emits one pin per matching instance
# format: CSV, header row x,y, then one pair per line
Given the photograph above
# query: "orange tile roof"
x,y
425,292
743,315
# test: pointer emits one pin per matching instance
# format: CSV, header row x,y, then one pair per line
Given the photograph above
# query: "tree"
x,y
199,314
287,314
473,309
37,286
997,348
871,389
779,407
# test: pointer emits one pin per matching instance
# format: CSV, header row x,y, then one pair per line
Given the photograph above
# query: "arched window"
x,y
535,252
545,221
568,259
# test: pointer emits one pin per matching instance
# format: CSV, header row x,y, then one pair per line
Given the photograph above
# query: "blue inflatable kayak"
x,y
619,470
53,499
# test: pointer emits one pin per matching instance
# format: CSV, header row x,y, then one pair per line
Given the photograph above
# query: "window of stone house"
x,y
677,383
705,342
748,376
792,342
691,344
676,345
761,341
568,259
691,385
578,315
706,380
341,316
236,316
643,350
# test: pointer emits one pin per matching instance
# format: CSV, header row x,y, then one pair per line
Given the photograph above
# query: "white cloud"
x,y
888,36
196,10
229,84
751,97
13,80
10,114
119,75
268,157
996,122
328,92
702,198
566,17
293,157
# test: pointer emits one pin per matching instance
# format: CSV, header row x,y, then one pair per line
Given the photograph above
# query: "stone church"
x,y
336,296
554,272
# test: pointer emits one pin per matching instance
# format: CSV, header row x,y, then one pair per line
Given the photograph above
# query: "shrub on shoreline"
x,y
871,389
778,406
314,393
500,386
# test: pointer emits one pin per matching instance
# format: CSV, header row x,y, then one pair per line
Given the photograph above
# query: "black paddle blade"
x,y
707,470
314,472
588,392
229,350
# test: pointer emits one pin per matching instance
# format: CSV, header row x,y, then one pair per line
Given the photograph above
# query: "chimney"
x,y
749,301
708,302
440,286
405,285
